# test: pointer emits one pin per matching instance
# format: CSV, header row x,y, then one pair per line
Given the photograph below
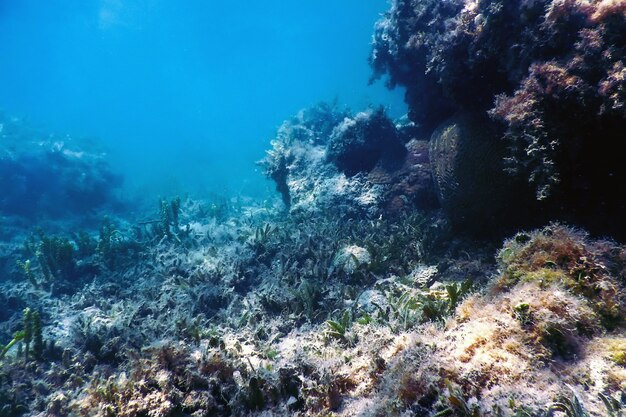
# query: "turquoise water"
x,y
186,95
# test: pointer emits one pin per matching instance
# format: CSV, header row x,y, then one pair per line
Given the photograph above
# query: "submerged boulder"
x,y
410,184
305,177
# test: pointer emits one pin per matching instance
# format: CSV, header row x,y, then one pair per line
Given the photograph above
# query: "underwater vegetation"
x,y
516,347
361,299
307,313
62,264
550,75
30,333
232,291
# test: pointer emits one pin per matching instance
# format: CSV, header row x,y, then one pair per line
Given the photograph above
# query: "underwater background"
x,y
185,96
328,209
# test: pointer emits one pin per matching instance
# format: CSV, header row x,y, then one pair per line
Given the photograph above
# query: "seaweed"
x,y
31,332
571,407
401,312
307,297
563,255
17,337
337,328
56,261
458,404
614,407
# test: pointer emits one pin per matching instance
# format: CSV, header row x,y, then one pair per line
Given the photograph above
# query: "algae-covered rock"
x,y
538,332
326,159
551,75
358,143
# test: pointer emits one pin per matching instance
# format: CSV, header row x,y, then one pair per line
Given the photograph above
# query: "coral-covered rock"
x,y
358,143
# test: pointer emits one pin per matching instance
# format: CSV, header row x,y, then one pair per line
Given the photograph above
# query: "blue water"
x,y
185,94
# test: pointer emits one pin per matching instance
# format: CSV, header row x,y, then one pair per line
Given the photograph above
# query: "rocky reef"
x,y
357,144
550,74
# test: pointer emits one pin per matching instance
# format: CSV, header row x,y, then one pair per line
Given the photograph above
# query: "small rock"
x,y
350,258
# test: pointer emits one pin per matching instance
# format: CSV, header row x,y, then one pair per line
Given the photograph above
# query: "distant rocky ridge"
x,y
43,175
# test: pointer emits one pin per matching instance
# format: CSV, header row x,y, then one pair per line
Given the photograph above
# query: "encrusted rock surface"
x,y
360,165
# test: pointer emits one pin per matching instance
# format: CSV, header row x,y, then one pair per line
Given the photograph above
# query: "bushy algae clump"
x,y
552,320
